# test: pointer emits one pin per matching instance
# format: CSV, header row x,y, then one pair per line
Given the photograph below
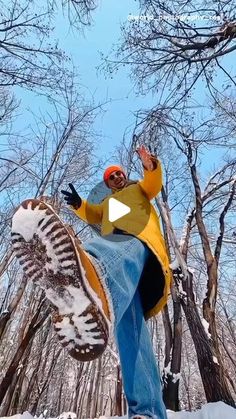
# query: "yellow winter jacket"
x,y
155,285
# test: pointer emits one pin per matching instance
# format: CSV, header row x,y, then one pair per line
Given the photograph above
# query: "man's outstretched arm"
x,y
90,213
152,180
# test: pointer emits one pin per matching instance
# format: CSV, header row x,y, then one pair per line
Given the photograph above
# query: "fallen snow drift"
x,y
217,410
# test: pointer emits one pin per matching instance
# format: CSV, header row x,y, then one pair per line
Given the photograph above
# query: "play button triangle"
x,y
116,209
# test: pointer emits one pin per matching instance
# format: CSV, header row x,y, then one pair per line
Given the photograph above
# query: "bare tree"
x,y
29,58
170,46
219,196
60,150
34,325
80,11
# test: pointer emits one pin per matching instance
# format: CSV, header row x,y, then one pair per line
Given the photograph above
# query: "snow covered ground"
x,y
217,410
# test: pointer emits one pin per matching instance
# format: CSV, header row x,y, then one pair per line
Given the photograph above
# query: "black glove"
x,y
72,198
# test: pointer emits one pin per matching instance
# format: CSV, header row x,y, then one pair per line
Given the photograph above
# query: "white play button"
x,y
116,209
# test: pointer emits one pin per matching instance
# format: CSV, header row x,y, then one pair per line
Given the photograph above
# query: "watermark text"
x,y
173,17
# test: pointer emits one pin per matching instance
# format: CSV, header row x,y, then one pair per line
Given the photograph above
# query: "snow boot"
x,y
54,259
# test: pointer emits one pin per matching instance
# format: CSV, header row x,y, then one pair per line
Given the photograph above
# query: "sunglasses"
x,y
115,174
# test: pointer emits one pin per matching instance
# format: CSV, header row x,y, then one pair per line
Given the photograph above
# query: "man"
x,y
121,278
128,248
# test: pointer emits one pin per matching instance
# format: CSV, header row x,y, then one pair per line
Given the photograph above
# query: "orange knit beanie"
x,y
109,171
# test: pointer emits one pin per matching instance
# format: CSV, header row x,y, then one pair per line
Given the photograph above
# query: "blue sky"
x,y
117,117
84,49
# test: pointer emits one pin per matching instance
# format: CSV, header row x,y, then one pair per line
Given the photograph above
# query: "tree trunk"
x,y
11,397
83,388
212,374
77,388
39,368
118,395
173,347
97,392
214,382
45,385
12,369
101,393
14,392
172,376
5,261
90,389
6,315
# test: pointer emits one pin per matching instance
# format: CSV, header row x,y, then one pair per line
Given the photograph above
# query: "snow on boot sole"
x,y
47,254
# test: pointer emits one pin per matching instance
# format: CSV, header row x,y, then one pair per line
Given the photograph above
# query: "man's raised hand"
x,y
72,198
146,157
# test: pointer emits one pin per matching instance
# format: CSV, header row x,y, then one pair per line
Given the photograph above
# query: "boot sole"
x,y
47,253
